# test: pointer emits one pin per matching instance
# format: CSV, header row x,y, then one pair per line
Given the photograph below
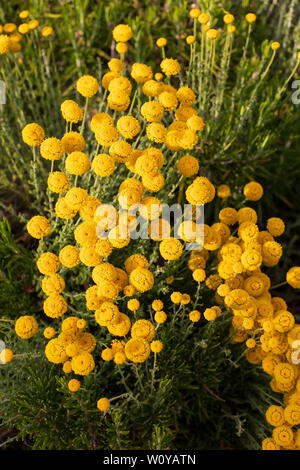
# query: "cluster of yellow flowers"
x,y
166,117
12,34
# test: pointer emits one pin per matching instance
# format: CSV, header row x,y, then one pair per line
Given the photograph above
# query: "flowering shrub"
x,y
138,150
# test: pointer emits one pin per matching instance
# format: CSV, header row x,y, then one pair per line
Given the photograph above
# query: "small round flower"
x,y
141,72
24,14
73,141
103,404
47,31
49,332
201,191
195,13
203,18
26,326
212,33
170,66
51,149
190,39
228,18
115,65
55,306
33,24
293,277
253,191
69,256
156,346
74,385
161,42
275,226
121,47
210,314
231,29
142,279
143,329
156,132
23,28
133,305
251,343
38,227
283,435
275,45
106,135
223,191
157,305
6,355
71,111
58,182
176,297
53,284
122,33
33,134
199,275
152,111
188,166
77,163
48,263
250,18
170,248
128,127
160,317
87,86
83,363
76,197
137,350
194,316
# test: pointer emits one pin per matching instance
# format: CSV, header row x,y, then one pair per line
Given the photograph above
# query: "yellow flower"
x,y
195,13
228,18
170,248
48,263
9,27
118,100
142,279
74,385
71,111
283,435
253,191
160,317
212,33
152,111
203,18
231,29
143,329
69,256
275,45
115,65
51,149
103,404
141,72
6,355
33,24
32,134
53,284
47,31
161,42
156,346
293,277
170,66
38,227
190,39
58,182
87,86
223,191
73,141
55,351
201,191
26,326
24,14
77,163
121,47
23,28
275,415
275,226
194,316
83,363
128,127
63,210
250,18
106,135
76,197
122,33
137,349
55,306
49,332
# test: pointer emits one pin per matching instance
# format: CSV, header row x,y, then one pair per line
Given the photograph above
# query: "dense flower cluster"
x,y
228,260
